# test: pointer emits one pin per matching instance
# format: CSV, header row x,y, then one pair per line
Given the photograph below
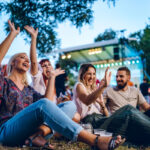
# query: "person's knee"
x,y
76,117
128,107
69,106
131,111
44,102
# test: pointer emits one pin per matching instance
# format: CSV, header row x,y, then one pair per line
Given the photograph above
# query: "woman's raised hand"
x,y
57,72
32,31
106,80
13,30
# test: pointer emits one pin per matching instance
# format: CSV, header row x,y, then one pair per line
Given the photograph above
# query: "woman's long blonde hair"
x,y
9,68
83,69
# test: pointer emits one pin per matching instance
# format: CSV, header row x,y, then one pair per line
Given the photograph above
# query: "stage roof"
x,y
98,51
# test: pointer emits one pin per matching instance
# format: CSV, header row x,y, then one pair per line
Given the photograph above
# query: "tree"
x,y
71,68
107,35
143,43
46,14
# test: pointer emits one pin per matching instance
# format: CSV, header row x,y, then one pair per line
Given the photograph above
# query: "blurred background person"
x,y
60,82
144,89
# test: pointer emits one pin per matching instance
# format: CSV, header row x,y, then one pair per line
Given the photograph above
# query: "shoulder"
x,y
79,84
133,89
110,89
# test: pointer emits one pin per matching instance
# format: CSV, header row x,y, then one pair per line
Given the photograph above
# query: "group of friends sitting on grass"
x,y
28,114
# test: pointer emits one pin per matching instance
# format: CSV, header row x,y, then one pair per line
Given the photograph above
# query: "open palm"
x,y
106,80
31,30
57,72
12,28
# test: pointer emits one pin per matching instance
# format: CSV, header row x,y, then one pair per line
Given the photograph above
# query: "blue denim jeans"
x,y
17,129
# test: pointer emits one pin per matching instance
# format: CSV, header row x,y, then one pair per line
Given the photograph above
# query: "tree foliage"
x,y
143,43
70,68
46,14
107,35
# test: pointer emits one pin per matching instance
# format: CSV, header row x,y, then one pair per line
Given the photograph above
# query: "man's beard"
x,y
122,86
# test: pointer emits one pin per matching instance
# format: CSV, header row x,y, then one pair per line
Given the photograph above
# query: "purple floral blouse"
x,y
12,99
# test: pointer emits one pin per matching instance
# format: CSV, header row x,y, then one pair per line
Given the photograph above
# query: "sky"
x,y
131,15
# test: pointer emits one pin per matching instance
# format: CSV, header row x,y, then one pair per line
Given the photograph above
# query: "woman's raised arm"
x,y
33,57
4,46
90,98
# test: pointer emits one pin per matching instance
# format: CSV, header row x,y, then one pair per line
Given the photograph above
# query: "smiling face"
x,y
47,67
90,76
122,79
21,63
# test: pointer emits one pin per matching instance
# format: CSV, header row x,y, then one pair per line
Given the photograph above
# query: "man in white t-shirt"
x,y
122,94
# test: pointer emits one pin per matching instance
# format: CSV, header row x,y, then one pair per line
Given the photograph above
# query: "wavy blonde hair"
x,y
83,69
9,68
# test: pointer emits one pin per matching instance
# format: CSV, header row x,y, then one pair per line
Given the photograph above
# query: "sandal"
x,y
45,146
111,145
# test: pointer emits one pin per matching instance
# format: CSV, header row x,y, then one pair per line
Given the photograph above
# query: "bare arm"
x,y
5,45
101,102
51,83
90,98
145,106
33,58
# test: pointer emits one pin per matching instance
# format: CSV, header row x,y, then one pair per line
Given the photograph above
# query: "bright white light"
x,y
63,56
69,56
105,65
120,63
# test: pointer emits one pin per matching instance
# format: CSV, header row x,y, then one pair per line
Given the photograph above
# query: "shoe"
x,y
111,145
31,144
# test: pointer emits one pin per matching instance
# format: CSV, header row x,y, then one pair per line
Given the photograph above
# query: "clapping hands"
x,y
106,80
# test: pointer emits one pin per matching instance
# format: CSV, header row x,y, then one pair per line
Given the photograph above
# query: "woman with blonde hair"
x,y
87,96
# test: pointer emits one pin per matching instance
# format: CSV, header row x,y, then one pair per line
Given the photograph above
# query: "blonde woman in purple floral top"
x,y
19,122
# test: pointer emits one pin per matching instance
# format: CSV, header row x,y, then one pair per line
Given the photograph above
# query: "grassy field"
x,y
63,144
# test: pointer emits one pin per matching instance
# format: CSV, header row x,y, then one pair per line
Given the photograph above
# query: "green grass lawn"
x,y
64,144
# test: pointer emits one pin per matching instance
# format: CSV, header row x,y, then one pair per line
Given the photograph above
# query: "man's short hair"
x,y
58,65
125,69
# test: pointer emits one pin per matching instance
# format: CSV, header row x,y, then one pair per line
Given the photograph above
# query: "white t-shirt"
x,y
83,109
